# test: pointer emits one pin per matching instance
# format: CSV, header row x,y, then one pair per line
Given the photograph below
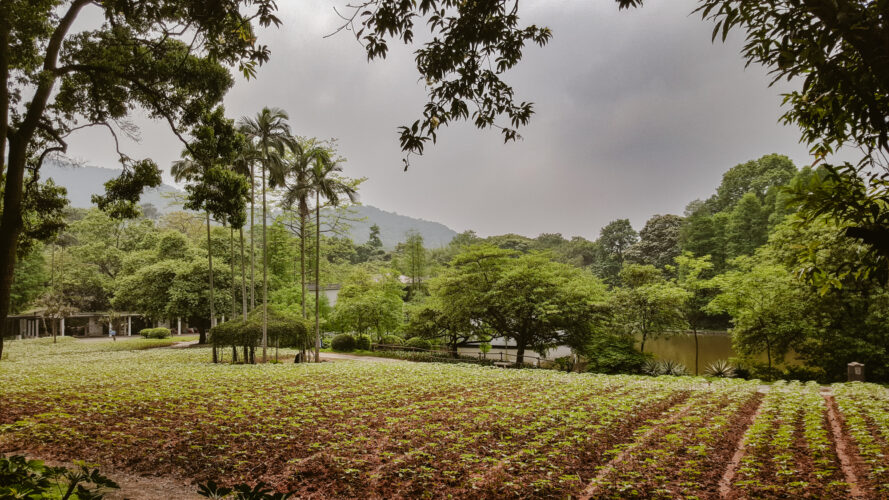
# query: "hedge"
x,y
155,333
343,343
418,343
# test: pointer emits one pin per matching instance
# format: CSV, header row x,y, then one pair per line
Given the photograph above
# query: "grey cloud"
x,y
637,114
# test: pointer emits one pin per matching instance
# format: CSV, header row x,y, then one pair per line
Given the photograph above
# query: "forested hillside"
x,y
82,182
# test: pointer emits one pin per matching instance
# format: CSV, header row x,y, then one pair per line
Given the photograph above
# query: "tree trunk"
x,y
243,278
234,284
520,352
642,346
317,277
252,245
265,266
302,259
203,336
454,353
13,188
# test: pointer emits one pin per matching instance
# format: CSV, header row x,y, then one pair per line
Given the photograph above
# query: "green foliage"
x,y
615,239
418,343
22,478
648,305
369,304
767,306
658,241
720,368
362,343
392,340
530,299
454,63
242,491
155,333
609,353
285,329
343,342
29,281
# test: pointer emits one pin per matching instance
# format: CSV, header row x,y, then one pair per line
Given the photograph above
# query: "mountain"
x,y
393,226
84,181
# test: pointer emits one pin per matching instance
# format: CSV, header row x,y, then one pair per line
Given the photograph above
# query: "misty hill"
x,y
84,181
393,227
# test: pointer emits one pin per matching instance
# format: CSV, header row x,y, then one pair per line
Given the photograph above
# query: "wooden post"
x,y
62,327
129,326
855,372
179,326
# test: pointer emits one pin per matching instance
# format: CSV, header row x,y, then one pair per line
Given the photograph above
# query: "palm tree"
x,y
244,165
189,169
297,195
326,182
270,135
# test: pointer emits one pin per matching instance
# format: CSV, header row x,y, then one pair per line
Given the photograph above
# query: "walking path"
x,y
335,356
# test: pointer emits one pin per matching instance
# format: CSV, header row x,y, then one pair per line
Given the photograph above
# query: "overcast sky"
x,y
637,113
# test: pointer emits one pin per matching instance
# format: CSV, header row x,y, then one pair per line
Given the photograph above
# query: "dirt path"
x,y
845,451
335,356
725,483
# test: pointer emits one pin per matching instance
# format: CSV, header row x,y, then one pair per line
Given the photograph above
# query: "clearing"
x,y
401,429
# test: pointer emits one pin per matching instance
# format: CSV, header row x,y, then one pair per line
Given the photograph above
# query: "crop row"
x,y
865,412
350,429
684,454
788,448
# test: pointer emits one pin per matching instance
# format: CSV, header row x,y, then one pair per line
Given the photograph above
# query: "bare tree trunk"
x,y
243,278
265,266
252,246
317,277
234,284
203,336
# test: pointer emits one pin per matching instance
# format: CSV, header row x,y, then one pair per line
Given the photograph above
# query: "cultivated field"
x,y
358,429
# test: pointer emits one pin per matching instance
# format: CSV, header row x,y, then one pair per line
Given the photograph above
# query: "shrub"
x,y
362,343
22,478
652,367
284,328
418,343
673,368
720,368
607,353
343,343
392,340
155,333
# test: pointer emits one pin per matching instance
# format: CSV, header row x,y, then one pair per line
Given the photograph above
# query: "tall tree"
x,y
658,241
270,135
615,239
298,192
212,188
327,183
692,276
414,260
647,305
56,80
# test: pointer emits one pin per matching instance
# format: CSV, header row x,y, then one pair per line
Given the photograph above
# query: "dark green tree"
x,y
55,81
658,243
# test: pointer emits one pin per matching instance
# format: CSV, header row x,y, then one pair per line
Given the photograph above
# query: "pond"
x,y
678,347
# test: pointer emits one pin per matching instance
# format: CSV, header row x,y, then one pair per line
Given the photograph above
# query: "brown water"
x,y
681,347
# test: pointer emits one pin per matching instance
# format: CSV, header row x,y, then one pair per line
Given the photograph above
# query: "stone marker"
x,y
856,372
